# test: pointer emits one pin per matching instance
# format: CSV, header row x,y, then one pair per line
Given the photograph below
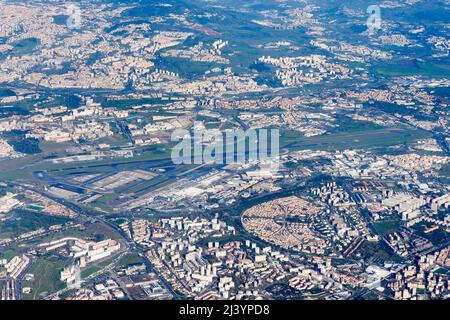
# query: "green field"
x,y
132,258
96,266
351,139
442,271
24,46
6,93
375,252
159,153
445,171
414,68
90,231
437,237
347,124
383,228
46,273
22,221
10,252
21,168
105,201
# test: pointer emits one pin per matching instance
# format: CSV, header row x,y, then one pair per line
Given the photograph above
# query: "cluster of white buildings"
x,y
17,266
82,123
406,204
395,39
8,202
180,260
202,53
419,162
85,251
359,53
420,280
443,201
6,150
310,69
162,75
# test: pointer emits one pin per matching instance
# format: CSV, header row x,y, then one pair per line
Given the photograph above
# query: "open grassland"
x,y
352,139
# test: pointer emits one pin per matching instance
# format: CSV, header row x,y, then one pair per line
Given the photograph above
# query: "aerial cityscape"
x,y
224,150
